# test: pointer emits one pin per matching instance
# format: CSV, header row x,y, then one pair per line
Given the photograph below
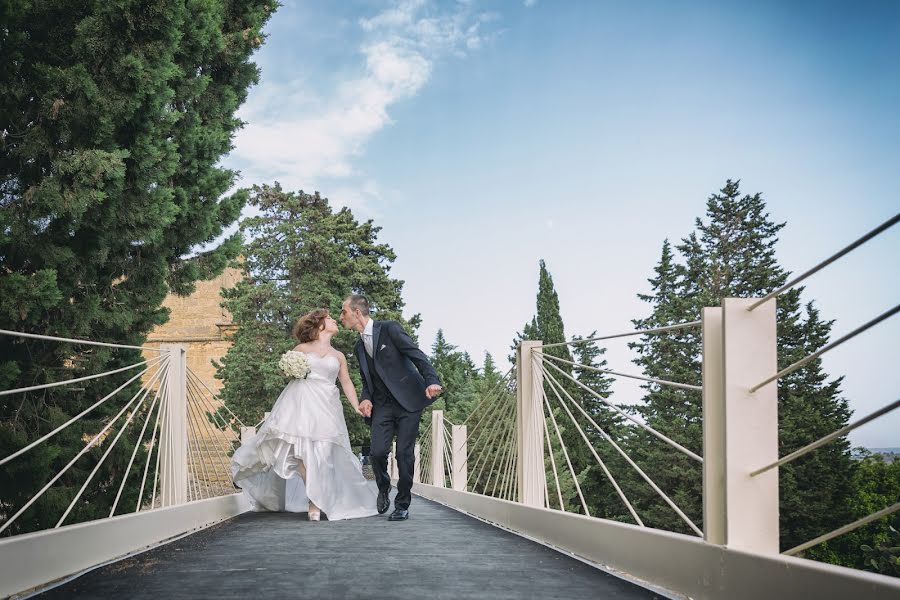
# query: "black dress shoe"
x,y
400,514
384,502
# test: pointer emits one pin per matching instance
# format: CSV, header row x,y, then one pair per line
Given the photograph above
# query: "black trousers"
x,y
390,419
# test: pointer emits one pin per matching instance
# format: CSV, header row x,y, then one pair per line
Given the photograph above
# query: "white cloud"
x,y
300,135
401,15
363,198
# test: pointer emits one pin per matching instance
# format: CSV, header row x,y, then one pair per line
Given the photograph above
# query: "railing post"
x,y
529,426
750,426
247,433
395,473
713,428
437,448
173,437
417,468
458,439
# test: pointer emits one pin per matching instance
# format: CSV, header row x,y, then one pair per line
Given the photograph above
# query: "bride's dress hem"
x,y
281,454
306,424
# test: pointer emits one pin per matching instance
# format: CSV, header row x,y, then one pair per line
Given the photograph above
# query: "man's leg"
x,y
407,431
382,435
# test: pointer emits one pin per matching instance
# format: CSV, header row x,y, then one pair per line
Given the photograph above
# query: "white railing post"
x,y
417,468
395,473
437,448
713,428
750,425
173,437
529,426
247,433
458,439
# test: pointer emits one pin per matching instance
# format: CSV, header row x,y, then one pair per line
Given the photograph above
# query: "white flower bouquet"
x,y
294,364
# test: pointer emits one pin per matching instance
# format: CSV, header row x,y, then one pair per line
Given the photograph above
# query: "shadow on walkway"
x,y
438,553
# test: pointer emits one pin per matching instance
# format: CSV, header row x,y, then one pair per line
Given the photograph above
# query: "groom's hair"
x,y
360,303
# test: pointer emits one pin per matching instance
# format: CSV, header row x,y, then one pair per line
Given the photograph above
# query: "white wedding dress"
x,y
306,424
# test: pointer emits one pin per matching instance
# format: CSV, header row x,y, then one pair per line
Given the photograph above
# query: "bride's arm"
x,y
347,383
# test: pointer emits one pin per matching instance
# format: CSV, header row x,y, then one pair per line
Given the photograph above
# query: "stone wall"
x,y
199,322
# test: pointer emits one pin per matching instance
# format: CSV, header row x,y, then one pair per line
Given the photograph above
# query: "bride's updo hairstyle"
x,y
307,327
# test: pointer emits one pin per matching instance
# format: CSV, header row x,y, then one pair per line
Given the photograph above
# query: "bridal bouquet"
x,y
294,364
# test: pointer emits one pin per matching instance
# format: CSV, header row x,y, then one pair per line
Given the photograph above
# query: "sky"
x,y
484,136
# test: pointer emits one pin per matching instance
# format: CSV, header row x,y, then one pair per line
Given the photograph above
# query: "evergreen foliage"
x,y
459,379
732,254
300,255
113,116
876,546
548,327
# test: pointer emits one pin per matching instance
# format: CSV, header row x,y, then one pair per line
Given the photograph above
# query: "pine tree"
x,y
301,255
601,496
815,489
493,397
732,254
459,378
114,117
674,412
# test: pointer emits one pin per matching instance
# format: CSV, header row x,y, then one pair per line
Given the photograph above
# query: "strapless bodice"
x,y
323,368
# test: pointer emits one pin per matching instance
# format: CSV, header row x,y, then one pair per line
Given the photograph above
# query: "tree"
x,y
876,546
485,420
114,116
301,255
603,499
674,412
732,254
459,378
547,326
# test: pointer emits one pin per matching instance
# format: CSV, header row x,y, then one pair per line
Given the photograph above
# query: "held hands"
x,y
365,408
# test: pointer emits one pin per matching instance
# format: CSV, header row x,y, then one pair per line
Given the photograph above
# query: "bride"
x,y
302,451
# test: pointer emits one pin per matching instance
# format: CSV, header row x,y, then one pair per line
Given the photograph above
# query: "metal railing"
x,y
516,448
189,441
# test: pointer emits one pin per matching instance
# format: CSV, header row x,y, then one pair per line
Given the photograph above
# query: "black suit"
x,y
394,380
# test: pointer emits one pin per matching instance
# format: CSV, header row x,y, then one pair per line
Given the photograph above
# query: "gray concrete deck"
x,y
438,553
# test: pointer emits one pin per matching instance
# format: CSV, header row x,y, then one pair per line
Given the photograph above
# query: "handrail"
x,y
824,349
629,333
828,438
883,227
683,386
54,338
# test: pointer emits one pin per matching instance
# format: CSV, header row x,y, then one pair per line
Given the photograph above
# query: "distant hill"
x,y
889,454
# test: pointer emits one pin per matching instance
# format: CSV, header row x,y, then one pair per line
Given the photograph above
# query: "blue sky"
x,y
483,136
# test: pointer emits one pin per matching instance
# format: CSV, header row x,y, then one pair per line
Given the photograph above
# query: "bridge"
x,y
484,524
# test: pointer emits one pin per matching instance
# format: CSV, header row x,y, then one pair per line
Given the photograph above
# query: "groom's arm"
x,y
408,348
366,395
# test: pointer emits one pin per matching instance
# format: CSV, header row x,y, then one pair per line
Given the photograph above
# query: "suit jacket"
x,y
404,369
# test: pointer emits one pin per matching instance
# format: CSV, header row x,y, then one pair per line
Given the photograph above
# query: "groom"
x,y
398,382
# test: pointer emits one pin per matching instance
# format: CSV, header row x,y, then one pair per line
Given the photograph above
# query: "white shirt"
x,y
367,337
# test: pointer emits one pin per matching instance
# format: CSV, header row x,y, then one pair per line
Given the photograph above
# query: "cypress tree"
x,y
547,326
114,116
